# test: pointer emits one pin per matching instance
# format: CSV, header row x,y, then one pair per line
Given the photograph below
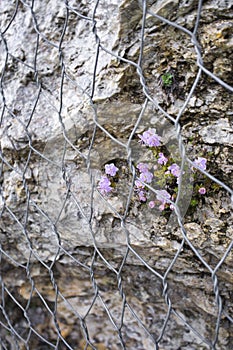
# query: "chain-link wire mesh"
x,y
80,270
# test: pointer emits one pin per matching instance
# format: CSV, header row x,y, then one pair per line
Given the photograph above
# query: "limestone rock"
x,y
218,132
68,107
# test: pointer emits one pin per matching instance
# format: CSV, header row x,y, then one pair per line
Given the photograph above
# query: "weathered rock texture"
x,y
76,268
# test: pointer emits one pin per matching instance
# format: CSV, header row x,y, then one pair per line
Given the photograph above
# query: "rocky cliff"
x,y
80,81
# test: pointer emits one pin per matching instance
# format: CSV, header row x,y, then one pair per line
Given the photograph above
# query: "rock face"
x,y
79,82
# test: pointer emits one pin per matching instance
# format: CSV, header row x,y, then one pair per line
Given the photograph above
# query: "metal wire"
x,y
35,319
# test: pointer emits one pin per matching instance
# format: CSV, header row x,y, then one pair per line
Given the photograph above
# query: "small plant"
x,y
167,79
169,83
163,171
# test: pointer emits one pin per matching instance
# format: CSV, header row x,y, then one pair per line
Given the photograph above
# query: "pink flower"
x,y
143,167
145,174
104,185
152,204
162,159
174,169
150,138
142,196
111,169
202,190
146,177
201,163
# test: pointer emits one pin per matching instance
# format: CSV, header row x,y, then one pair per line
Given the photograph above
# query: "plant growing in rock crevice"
x,y
167,79
163,173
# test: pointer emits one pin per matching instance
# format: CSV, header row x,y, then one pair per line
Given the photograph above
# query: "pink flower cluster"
x,y
145,176
150,138
147,172
104,183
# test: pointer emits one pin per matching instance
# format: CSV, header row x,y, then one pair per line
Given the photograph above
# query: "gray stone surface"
x,y
39,212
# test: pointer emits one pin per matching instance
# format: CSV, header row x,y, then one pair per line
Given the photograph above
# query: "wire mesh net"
x,y
82,269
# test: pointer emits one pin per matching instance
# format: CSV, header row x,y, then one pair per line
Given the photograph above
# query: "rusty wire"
x,y
14,337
